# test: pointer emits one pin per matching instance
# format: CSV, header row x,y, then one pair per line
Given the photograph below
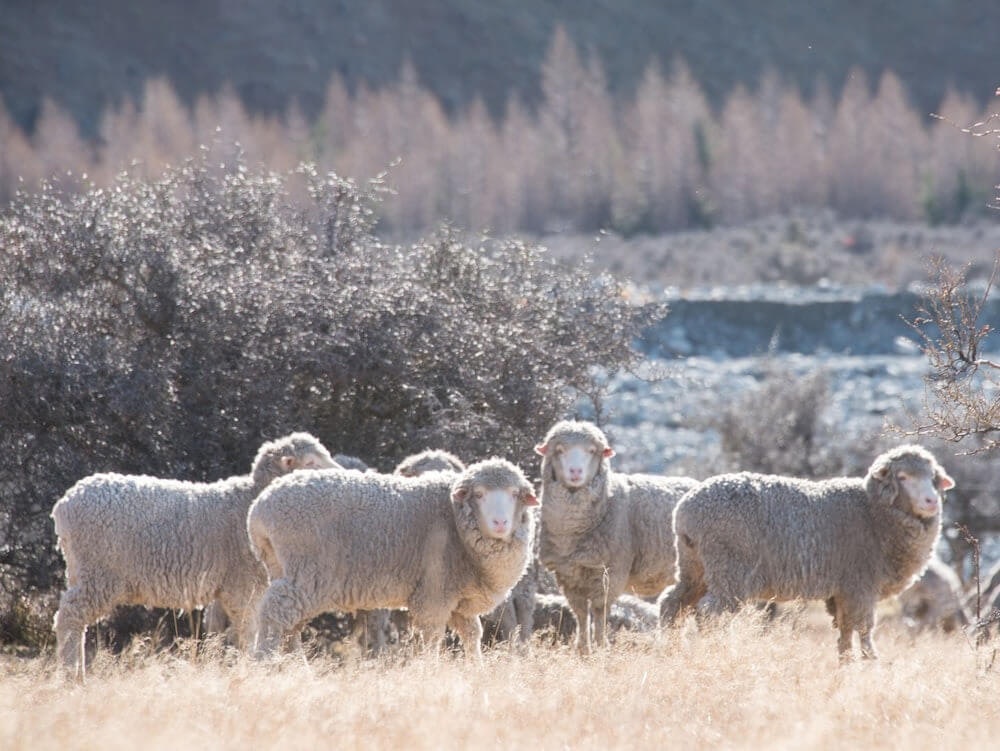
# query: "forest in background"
x,y
579,160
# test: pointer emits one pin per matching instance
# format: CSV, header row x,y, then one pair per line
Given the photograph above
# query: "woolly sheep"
x,y
934,601
214,618
374,629
134,539
602,533
446,547
848,541
430,460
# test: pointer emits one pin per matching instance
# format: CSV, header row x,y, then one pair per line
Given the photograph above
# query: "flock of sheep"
x,y
306,533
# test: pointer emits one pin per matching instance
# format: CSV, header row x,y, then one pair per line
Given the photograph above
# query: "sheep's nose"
x,y
500,525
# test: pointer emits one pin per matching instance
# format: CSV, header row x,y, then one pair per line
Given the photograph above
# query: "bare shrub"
x,y
780,428
963,386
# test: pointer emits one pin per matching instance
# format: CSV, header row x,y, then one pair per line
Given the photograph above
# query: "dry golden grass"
x,y
743,684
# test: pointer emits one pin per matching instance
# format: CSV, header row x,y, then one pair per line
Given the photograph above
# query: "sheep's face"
x,y
575,462
923,491
497,509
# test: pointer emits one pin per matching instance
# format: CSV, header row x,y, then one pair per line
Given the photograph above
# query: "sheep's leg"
x,y
599,616
214,619
844,626
525,611
470,631
714,604
371,630
233,616
282,608
863,619
78,607
580,605
428,632
690,586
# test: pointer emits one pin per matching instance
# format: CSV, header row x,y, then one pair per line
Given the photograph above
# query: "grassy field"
x,y
743,684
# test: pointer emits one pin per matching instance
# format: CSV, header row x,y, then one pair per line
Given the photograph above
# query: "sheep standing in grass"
x,y
602,533
132,539
934,601
373,629
447,547
848,541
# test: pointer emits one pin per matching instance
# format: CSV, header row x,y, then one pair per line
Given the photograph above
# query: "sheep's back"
x,y
798,537
158,535
362,538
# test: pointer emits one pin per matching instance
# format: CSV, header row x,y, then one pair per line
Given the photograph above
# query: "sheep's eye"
x,y
478,493
902,476
559,449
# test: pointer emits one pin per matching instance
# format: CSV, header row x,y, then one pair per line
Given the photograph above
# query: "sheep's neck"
x,y
907,542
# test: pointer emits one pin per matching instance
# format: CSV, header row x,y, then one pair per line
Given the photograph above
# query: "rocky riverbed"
x,y
716,346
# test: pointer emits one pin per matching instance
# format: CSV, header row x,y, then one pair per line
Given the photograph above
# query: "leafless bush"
x,y
779,428
963,386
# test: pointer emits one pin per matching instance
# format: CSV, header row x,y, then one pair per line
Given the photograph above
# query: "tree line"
x,y
662,160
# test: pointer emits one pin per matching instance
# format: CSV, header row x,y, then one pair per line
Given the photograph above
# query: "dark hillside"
x,y
86,56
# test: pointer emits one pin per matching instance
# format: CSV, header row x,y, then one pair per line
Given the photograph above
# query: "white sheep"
x,y
448,548
603,533
934,601
374,629
849,541
429,460
133,539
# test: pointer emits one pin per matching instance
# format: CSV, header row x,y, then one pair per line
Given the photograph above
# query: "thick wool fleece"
x,y
850,541
134,539
612,536
340,541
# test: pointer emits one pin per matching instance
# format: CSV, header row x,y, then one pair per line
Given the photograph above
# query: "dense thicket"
x,y
170,326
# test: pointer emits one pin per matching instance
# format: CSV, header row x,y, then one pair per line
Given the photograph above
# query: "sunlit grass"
x,y
743,684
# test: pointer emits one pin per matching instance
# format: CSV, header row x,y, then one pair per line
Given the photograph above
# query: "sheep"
x,y
447,547
934,601
134,539
554,618
429,460
848,541
214,619
374,629
351,462
602,532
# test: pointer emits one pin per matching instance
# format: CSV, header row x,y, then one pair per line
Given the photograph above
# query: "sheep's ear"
x,y
288,463
882,484
609,452
542,449
944,482
529,499
460,494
